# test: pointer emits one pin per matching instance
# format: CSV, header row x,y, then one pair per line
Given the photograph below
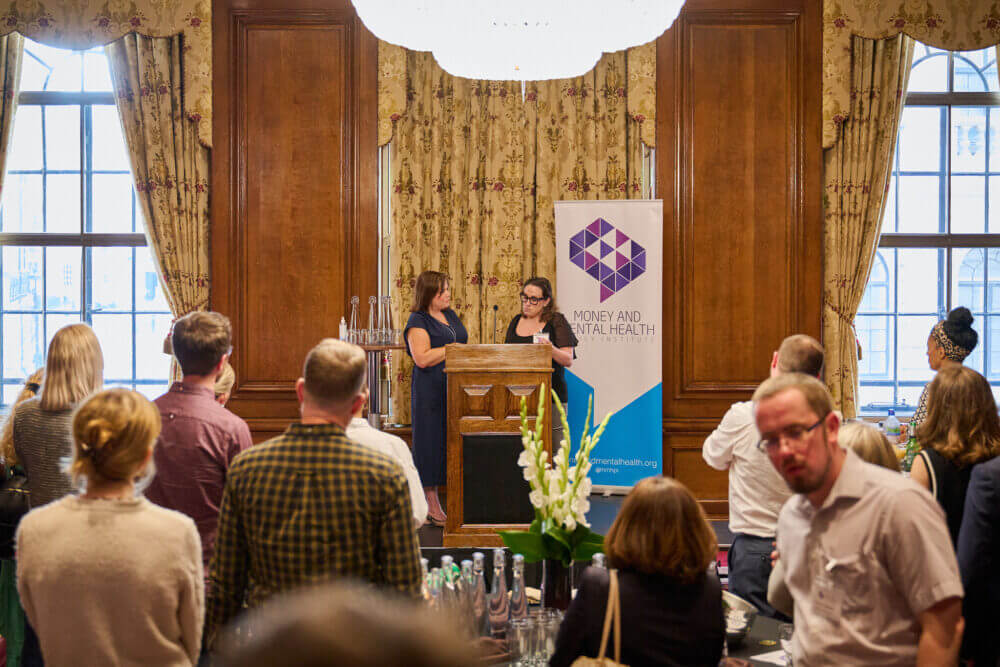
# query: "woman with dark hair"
x,y
961,430
671,609
949,343
432,325
539,315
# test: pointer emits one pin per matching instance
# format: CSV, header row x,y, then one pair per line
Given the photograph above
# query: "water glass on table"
x,y
521,641
785,632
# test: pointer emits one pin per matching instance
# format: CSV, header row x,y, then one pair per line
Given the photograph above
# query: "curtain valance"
x,y
956,25
83,24
640,97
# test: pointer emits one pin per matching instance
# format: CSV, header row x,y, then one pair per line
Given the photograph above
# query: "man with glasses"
x,y
200,438
756,490
867,555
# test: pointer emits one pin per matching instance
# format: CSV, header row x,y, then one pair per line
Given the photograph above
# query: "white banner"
x,y
609,285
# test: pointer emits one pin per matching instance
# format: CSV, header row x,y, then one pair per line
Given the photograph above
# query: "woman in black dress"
x,y
431,326
539,316
961,430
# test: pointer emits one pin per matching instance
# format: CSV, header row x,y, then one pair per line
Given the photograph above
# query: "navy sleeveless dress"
x,y
429,397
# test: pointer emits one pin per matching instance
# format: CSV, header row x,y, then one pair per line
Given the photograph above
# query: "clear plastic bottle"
x,y
343,329
434,589
499,604
598,561
425,580
892,427
518,594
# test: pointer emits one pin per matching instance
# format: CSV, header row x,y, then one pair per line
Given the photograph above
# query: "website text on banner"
x,y
609,285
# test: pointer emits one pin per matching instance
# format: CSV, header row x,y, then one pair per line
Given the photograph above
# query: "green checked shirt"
x,y
304,508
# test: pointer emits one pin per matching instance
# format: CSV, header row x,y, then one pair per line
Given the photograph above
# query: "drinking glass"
x,y
785,631
519,641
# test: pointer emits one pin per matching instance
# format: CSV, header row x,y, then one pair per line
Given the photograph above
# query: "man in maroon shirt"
x,y
199,437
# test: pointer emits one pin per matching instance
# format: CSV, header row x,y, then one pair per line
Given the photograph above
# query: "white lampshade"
x,y
520,40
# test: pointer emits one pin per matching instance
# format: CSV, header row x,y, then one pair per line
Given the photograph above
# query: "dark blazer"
x,y
978,557
663,622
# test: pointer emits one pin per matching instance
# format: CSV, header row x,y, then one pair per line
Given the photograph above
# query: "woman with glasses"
x,y
540,322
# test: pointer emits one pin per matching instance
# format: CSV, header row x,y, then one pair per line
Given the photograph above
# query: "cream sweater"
x,y
112,582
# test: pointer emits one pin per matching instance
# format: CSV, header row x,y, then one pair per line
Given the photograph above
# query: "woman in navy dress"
x,y
431,326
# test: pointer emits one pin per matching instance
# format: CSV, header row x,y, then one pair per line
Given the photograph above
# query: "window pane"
x,y
919,205
62,284
22,203
62,203
875,335
908,398
889,214
96,73
26,142
148,291
912,352
975,71
879,295
920,280
993,325
22,345
920,138
109,142
111,279
930,72
65,65
22,278
62,137
112,203
968,279
968,139
152,391
34,73
115,335
150,362
994,209
968,204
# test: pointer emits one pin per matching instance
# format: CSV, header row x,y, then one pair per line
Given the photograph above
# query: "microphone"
x,y
495,309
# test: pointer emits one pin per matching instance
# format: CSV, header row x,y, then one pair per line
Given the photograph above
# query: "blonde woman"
x,y
107,577
74,369
224,384
28,391
869,443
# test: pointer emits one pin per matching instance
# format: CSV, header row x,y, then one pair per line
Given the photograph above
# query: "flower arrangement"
x,y
559,493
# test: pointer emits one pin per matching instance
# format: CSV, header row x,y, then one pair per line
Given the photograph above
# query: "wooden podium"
x,y
487,491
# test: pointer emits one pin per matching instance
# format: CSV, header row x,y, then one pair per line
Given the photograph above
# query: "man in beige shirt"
x,y
867,556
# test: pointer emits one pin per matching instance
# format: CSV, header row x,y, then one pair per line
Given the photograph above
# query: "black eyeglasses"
x,y
533,300
793,435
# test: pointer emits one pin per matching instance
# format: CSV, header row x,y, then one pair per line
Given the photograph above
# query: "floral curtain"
x,y
477,166
947,24
856,174
11,53
82,24
169,164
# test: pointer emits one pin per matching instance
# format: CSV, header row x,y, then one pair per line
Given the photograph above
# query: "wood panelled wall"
x,y
739,169
294,187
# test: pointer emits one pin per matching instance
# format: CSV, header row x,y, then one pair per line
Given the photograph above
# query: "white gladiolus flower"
x,y
570,523
537,499
523,460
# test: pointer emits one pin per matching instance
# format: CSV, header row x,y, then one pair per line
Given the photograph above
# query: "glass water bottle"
x,y
518,595
499,604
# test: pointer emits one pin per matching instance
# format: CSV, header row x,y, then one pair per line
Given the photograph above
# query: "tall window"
x,y
72,246
940,243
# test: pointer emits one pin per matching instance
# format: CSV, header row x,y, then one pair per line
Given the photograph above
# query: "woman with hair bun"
x,y
106,577
951,340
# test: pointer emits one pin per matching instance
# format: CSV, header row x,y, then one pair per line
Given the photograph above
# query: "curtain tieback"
x,y
849,320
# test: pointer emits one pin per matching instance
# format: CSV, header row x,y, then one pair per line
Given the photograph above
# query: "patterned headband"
x,y
951,349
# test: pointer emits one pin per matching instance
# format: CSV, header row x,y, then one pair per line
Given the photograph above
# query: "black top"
x,y
561,334
949,483
662,622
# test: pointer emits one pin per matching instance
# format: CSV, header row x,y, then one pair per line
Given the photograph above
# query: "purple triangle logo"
x,y
626,271
578,260
620,238
578,238
605,293
620,260
605,271
609,281
594,272
574,250
636,249
588,261
614,263
605,249
605,226
595,227
589,238
640,260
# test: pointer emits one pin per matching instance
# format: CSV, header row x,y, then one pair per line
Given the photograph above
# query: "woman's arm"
x,y
919,473
420,348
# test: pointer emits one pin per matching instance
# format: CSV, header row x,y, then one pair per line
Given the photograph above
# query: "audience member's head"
x,y
224,384
962,423
201,341
74,368
869,443
952,339
29,390
429,285
799,430
113,435
333,379
661,529
345,624
798,354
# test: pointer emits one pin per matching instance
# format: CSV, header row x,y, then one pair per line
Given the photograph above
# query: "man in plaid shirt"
x,y
311,505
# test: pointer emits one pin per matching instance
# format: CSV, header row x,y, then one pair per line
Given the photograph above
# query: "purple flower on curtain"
x,y
394,117
43,22
474,279
195,22
135,21
571,91
103,22
992,23
493,281
200,187
498,187
839,22
586,187
838,119
620,92
11,20
621,187
194,117
503,92
571,186
932,22
144,91
531,97
162,89
639,118
898,22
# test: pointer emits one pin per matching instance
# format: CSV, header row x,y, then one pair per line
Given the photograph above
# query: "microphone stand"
x,y
495,309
